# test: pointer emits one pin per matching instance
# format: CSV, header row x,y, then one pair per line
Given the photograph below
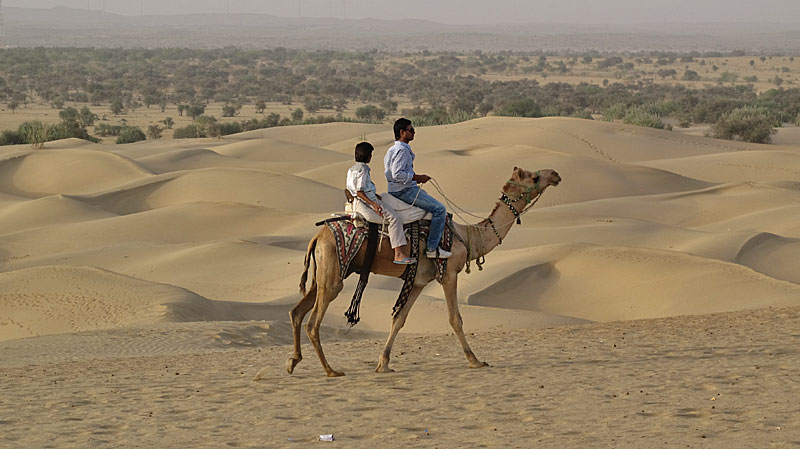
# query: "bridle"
x,y
524,195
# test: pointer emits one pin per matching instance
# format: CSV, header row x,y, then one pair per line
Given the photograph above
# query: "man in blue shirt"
x,y
403,184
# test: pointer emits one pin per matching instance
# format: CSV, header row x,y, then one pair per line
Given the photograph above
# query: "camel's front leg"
x,y
397,323
450,286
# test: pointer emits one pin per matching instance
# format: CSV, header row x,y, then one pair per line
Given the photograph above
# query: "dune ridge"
x,y
640,214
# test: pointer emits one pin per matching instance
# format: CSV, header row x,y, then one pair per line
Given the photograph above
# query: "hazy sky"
x,y
466,11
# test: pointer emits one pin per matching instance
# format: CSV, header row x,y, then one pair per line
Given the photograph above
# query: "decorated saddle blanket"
x,y
349,238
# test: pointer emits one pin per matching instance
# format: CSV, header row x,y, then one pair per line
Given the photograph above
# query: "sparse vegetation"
x,y
749,124
434,88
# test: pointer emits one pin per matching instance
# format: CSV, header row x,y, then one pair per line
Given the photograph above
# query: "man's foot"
x,y
438,253
406,261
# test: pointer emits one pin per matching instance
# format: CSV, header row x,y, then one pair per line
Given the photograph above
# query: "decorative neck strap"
x,y
510,203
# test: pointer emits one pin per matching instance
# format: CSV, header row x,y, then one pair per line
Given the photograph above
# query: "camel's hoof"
x,y
478,365
333,373
291,363
383,369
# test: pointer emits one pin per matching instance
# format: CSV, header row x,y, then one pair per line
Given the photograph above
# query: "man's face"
x,y
407,134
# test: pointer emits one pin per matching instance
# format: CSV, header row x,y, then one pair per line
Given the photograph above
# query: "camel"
x,y
519,191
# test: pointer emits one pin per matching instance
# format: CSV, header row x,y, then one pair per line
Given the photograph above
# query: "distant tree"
x,y
154,132
261,106
181,108
229,110
389,105
208,126
777,81
86,117
297,115
691,75
116,107
664,73
587,59
196,110
168,122
370,112
752,63
763,58
13,105
728,77
69,115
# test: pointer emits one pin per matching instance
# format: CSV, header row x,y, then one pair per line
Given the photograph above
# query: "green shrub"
x,y
643,116
582,113
230,128
187,132
104,129
34,133
524,107
370,112
749,124
615,112
691,75
11,138
131,134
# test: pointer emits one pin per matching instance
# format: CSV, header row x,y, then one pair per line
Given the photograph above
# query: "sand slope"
x,y
647,223
143,286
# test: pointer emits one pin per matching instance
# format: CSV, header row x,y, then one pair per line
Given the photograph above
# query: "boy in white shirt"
x,y
363,190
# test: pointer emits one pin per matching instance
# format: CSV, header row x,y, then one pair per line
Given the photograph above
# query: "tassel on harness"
x,y
352,313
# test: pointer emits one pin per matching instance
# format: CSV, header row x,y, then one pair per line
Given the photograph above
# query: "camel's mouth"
x,y
555,180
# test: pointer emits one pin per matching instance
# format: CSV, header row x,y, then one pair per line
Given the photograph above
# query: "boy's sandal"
x,y
406,261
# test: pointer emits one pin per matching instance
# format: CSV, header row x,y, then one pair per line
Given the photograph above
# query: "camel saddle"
x,y
407,212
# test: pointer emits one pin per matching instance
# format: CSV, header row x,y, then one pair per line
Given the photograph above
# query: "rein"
x,y
526,195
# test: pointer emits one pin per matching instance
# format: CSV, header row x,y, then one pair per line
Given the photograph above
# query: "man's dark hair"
x,y
400,124
364,152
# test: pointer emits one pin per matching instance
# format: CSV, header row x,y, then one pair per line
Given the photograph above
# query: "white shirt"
x,y
358,179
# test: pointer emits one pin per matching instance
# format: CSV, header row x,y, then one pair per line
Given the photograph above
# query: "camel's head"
x,y
528,184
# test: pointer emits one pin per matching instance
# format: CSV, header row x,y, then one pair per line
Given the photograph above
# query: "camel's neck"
x,y
483,237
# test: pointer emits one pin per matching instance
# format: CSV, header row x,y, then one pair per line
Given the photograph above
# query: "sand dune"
x,y
228,219
183,254
71,171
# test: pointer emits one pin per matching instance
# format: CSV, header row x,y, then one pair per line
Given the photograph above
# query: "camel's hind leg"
x,y
297,314
325,294
397,323
450,286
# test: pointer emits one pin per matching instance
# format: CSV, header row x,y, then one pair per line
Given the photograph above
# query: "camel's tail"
x,y
312,246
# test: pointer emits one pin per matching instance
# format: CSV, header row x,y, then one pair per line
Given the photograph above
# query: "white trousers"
x,y
396,235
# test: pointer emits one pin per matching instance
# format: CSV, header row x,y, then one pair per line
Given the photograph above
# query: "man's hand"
x,y
422,179
378,208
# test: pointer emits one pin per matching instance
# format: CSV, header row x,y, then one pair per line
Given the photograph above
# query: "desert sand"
x,y
650,300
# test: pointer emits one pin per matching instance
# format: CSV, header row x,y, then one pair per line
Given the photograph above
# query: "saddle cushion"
x,y
407,212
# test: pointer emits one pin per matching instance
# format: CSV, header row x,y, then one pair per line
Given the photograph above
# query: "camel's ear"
x,y
535,178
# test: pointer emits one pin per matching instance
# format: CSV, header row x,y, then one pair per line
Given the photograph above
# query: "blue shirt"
x,y
398,165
